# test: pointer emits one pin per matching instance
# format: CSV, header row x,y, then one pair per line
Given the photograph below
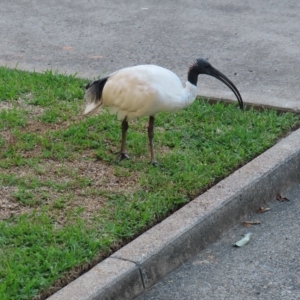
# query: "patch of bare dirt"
x,y
78,193
8,137
40,127
33,110
8,205
86,182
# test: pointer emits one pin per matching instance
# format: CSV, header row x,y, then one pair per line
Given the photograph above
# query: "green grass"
x,y
72,203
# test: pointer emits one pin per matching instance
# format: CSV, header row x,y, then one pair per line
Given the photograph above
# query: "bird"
x,y
146,90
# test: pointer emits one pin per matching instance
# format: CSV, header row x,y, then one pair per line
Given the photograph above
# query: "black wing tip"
x,y
101,80
94,90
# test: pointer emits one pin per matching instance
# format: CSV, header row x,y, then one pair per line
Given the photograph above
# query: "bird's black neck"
x,y
193,74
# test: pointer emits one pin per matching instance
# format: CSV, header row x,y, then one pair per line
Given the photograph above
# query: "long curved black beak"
x,y
217,74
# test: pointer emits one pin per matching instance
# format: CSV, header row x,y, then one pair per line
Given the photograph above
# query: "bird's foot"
x,y
123,156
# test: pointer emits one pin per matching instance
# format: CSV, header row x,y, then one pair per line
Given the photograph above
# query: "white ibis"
x,y
146,90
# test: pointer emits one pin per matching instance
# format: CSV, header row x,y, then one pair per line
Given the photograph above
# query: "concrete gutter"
x,y
163,248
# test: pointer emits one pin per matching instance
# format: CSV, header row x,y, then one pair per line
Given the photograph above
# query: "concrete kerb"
x,y
141,263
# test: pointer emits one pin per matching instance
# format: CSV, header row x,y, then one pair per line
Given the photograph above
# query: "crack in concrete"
x,y
137,265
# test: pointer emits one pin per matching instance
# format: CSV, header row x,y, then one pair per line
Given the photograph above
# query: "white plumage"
x,y
146,90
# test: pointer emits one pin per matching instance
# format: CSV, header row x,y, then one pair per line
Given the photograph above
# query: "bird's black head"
x,y
202,66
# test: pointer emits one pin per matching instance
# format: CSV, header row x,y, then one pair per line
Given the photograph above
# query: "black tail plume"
x,y
93,94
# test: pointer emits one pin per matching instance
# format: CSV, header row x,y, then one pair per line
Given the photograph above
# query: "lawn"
x,y
65,201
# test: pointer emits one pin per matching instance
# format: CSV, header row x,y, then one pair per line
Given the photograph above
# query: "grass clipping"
x,y
65,201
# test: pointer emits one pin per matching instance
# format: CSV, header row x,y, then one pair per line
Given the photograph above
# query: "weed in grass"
x,y
26,141
26,197
50,116
12,118
59,203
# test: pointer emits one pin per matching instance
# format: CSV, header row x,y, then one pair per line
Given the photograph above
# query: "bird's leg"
x,y
151,135
123,154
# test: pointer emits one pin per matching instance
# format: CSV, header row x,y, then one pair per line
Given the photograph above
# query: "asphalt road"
x,y
255,43
267,268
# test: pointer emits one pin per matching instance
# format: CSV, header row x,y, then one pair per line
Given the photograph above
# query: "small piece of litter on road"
x,y
243,241
249,223
68,48
96,56
281,199
263,209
